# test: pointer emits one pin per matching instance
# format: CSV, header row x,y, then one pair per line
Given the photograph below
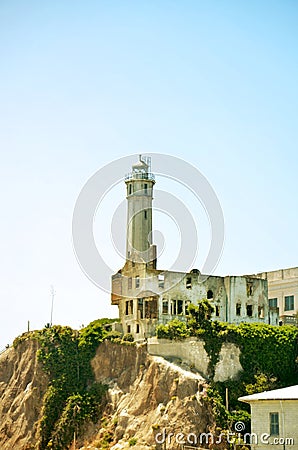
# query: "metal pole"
x,y
227,399
52,306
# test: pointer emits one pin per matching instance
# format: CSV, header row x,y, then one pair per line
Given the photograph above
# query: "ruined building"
x,y
147,296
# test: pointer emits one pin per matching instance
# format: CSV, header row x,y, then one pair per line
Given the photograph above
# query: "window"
x,y
261,311
138,328
273,302
238,309
249,310
137,281
126,308
140,308
209,294
161,281
146,188
129,189
249,288
129,283
217,310
131,306
165,306
188,283
145,214
179,306
274,423
289,302
128,328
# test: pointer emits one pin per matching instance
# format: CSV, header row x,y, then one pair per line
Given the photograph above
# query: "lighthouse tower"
x,y
139,185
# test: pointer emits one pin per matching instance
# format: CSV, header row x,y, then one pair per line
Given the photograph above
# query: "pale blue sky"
x,y
84,83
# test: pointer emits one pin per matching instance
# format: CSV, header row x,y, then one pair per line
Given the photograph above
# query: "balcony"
x,y
139,176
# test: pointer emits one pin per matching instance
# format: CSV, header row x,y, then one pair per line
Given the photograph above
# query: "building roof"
x,y
288,393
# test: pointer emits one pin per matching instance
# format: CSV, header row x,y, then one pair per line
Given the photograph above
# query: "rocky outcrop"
x,y
22,386
150,399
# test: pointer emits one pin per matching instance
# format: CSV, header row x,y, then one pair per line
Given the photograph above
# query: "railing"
x,y
139,176
289,320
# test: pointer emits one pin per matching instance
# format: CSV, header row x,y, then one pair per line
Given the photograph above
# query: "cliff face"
x,y
148,398
22,386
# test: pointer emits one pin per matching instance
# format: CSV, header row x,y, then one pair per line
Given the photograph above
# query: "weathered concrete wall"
x,y
228,365
192,352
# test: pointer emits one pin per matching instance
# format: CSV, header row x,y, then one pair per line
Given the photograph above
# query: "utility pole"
x,y
53,293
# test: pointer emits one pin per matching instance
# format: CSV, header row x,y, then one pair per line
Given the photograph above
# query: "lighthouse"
x,y
139,194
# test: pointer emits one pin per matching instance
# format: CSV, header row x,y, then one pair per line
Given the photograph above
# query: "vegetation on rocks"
x,y
268,356
72,397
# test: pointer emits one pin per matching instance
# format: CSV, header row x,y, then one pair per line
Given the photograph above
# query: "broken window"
x,y
140,308
161,281
188,283
209,294
249,288
261,311
249,310
238,309
179,306
151,309
165,307
137,281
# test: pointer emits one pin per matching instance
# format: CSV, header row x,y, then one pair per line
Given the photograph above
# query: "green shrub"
x,y
128,337
174,330
132,442
72,396
112,335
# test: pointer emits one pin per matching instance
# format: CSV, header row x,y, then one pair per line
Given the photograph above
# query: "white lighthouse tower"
x,y
139,185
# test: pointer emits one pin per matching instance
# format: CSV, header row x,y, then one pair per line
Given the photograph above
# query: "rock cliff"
x,y
148,399
22,387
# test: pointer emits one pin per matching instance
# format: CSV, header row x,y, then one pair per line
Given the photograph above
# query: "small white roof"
x,y
288,393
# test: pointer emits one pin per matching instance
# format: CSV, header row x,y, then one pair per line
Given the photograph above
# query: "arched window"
x,y
209,294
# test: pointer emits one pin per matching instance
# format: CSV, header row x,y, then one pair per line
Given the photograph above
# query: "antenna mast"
x,y
53,293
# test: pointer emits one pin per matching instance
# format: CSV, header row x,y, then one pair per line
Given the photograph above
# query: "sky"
x,y
83,84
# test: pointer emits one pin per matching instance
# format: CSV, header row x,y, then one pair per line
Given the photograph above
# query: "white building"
x,y
274,419
147,296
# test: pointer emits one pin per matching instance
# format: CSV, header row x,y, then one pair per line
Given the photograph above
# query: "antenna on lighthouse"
x,y
53,293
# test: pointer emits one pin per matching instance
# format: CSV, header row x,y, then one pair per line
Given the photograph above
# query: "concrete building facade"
x,y
147,296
